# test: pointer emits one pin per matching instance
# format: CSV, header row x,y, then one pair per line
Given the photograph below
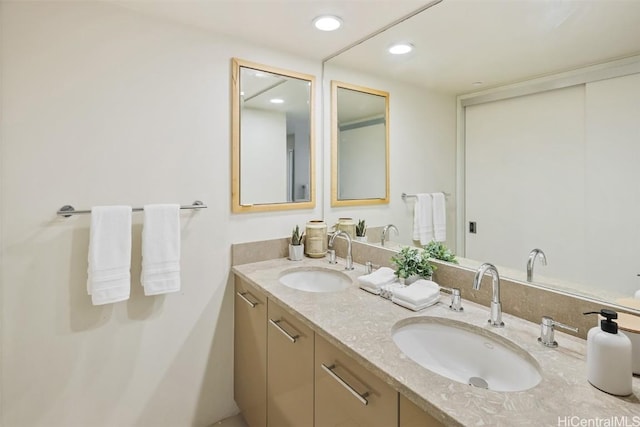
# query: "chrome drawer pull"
x,y
276,323
247,300
360,397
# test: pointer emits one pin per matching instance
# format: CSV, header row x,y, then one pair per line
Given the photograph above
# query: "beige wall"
x,y
103,106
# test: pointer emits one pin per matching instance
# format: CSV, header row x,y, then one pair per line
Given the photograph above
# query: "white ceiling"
x,y
284,25
457,42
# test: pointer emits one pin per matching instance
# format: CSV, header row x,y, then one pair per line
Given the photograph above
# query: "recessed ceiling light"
x,y
327,23
276,101
401,48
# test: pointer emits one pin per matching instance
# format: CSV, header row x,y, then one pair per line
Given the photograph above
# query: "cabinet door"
x,y
347,395
250,353
412,416
289,370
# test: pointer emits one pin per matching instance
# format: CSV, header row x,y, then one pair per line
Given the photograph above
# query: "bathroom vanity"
x,y
306,358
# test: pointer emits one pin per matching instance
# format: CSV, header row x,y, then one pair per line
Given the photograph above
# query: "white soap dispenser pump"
x,y
609,356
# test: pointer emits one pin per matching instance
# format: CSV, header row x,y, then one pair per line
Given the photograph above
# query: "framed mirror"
x,y
272,138
560,76
359,145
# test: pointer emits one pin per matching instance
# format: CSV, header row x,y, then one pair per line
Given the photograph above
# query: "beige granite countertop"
x,y
360,324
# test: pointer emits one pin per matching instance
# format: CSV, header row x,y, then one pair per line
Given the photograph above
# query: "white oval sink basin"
x,y
466,353
315,280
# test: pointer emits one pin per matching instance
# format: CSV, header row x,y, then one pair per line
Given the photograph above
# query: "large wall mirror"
x,y
359,145
272,138
547,132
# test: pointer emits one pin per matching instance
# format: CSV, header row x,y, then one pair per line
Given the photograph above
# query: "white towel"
x,y
109,275
423,219
370,288
415,307
374,281
386,291
418,293
161,249
637,294
439,217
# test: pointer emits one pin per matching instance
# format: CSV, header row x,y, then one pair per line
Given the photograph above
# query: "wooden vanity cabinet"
x,y
285,375
346,394
289,370
250,353
413,416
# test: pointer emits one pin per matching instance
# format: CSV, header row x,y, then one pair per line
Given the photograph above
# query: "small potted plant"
x,y
296,247
361,231
412,264
438,250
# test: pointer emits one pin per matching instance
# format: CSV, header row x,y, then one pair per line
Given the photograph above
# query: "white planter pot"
x,y
361,239
296,252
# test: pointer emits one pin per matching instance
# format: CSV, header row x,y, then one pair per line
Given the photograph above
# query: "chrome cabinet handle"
x,y
247,300
291,338
360,397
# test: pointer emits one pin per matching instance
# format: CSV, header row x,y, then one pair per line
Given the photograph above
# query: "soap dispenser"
x,y
609,356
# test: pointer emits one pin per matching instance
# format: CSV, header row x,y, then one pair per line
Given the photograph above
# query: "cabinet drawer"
x,y
349,395
250,353
289,370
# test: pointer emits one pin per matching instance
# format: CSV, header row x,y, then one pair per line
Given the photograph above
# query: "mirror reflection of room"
x,y
273,138
544,135
361,143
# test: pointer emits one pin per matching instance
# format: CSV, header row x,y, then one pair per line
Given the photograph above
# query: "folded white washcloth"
x,y
161,249
423,219
418,293
109,259
386,291
415,307
374,281
370,288
439,217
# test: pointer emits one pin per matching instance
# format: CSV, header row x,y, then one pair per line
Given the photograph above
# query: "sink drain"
x,y
478,382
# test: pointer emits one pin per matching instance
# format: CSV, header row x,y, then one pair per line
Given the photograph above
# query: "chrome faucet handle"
x,y
332,256
547,326
368,267
456,298
371,267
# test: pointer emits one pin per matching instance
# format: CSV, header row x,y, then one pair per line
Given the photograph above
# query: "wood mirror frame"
x,y
238,205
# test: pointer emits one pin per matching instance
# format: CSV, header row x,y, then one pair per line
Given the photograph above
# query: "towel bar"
x,y
68,210
405,195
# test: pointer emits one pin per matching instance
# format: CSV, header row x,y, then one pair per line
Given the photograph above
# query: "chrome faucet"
x,y
496,307
349,263
532,259
385,232
547,327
